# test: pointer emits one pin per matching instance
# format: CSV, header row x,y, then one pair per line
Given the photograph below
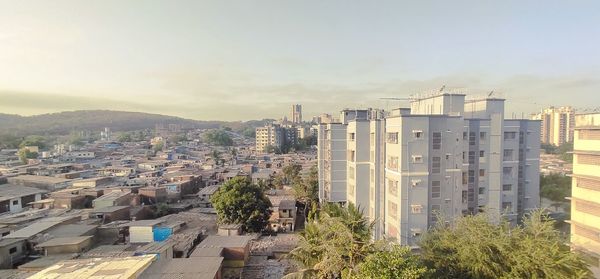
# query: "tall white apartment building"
x,y
557,125
443,156
585,197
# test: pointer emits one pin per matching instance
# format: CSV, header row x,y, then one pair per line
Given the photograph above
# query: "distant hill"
x,y
65,122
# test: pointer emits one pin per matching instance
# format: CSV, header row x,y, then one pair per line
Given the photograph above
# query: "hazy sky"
x,y
236,60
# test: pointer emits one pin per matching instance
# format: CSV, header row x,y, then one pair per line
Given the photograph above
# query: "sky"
x,y
241,60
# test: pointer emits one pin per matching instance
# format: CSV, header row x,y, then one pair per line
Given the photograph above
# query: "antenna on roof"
x,y
491,93
442,89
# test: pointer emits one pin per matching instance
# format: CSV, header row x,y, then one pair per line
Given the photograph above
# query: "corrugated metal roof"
x,y
130,267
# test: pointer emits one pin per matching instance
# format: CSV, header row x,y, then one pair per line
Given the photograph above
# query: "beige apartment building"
x,y
557,125
585,196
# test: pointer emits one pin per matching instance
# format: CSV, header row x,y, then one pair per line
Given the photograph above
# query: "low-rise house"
x,y
143,231
92,182
236,251
198,267
65,245
13,198
117,171
129,267
153,195
109,214
205,195
113,198
48,183
283,217
12,250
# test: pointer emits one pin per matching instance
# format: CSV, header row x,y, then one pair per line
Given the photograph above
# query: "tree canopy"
x,y
239,201
392,262
555,187
218,137
474,247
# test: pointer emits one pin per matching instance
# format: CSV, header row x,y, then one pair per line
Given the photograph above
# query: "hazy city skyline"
x,y
236,60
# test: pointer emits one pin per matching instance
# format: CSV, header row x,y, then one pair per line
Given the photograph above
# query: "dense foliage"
x,y
392,262
474,247
562,150
307,190
334,243
239,201
218,137
555,187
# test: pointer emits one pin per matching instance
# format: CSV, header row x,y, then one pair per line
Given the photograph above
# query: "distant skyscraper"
x,y
296,114
557,125
585,196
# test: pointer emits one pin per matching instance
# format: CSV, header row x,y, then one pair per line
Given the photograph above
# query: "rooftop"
x,y
11,191
60,241
225,241
42,179
199,268
130,267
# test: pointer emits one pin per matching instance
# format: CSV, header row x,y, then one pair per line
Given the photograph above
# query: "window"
x,y
465,135
481,172
416,208
417,159
418,134
482,136
436,164
507,170
471,176
464,178
351,136
471,157
392,162
481,153
481,190
588,134
510,135
464,196
393,187
12,250
392,209
507,187
471,138
588,159
508,154
392,138
15,202
436,140
507,206
436,190
521,137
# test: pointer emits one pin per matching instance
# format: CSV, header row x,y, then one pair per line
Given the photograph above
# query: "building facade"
x,y
443,156
276,136
296,114
557,125
585,196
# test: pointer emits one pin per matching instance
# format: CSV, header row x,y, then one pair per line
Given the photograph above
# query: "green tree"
x,y
25,155
218,137
555,187
158,147
9,141
307,189
180,138
334,243
292,171
124,137
474,247
239,201
392,262
38,141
